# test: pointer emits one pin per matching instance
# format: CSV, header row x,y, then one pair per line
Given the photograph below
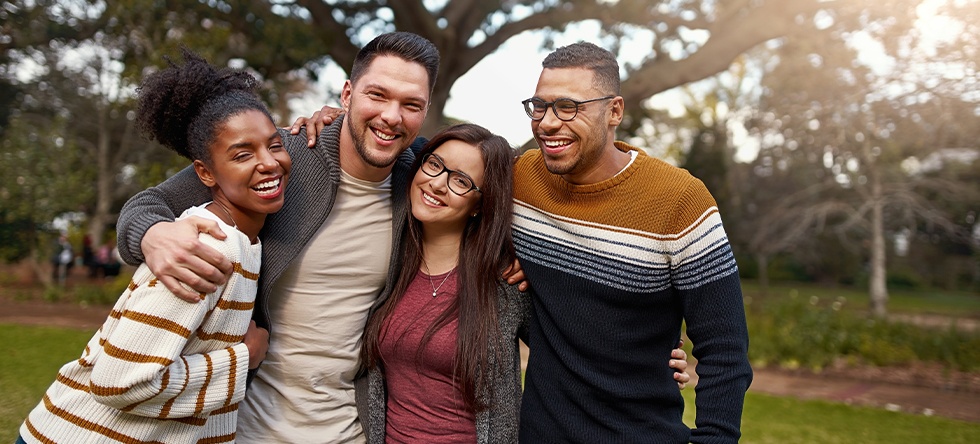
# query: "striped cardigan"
x,y
159,369
616,267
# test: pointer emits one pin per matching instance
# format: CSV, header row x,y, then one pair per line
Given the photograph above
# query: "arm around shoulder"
x,y
161,203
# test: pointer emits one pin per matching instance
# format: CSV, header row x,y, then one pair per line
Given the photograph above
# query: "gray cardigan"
x,y
499,423
310,195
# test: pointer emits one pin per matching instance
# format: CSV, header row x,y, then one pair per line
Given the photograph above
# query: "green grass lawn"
x,y
926,301
32,356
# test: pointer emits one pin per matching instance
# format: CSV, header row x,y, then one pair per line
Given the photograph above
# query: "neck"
x,y
249,225
440,250
609,163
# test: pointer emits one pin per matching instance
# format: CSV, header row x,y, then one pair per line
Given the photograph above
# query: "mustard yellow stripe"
x,y
190,420
204,387
132,285
115,314
71,383
129,356
219,336
158,322
165,410
245,273
216,439
234,374
89,425
225,304
37,433
223,410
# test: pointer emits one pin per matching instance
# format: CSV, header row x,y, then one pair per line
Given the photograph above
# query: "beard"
x,y
588,153
375,158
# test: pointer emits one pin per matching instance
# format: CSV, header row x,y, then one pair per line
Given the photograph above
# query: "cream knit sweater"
x,y
159,369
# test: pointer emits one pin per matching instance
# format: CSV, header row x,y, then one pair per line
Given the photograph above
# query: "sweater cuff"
x,y
136,229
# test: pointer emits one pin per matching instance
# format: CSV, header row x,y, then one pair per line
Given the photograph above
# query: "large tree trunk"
x,y
879,291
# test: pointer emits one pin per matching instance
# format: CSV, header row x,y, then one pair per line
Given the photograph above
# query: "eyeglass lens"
x,y
458,182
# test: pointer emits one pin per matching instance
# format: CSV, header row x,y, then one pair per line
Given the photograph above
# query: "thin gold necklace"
x,y
233,224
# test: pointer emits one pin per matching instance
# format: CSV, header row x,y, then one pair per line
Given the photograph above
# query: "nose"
x,y
440,182
267,162
550,122
392,114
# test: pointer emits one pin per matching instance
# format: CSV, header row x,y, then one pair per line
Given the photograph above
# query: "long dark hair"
x,y
485,250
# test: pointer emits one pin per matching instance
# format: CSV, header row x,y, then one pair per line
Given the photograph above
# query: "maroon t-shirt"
x,y
423,402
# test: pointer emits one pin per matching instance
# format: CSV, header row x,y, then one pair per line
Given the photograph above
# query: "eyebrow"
x,y
443,161
275,135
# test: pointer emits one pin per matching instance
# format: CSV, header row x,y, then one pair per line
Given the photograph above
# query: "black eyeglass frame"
x,y
444,169
554,109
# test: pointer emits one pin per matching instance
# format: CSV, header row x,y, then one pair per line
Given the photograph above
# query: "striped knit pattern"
x,y
616,266
159,369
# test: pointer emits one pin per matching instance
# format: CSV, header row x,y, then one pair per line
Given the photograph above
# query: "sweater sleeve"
x,y
706,277
143,370
161,203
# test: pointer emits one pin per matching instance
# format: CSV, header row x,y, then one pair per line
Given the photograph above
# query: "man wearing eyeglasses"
x,y
620,248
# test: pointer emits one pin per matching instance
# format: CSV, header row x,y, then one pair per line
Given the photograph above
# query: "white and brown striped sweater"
x,y
159,369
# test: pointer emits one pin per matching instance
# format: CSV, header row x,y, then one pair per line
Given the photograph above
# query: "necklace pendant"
x,y
433,294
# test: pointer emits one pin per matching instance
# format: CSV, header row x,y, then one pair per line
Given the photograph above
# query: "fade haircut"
x,y
184,106
404,45
586,55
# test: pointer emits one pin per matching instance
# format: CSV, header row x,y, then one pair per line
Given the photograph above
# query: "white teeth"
x,y
555,143
267,187
431,199
384,136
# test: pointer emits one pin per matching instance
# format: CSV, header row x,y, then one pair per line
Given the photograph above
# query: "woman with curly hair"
x,y
161,369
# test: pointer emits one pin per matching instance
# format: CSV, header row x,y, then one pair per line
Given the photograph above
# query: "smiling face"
x,y
580,150
385,109
248,170
433,203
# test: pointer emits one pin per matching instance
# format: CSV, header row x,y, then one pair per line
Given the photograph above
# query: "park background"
x,y
839,137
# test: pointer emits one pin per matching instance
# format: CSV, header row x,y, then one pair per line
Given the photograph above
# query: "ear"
x,y
345,96
204,174
616,111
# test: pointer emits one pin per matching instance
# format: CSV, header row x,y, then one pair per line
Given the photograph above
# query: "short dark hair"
x,y
406,45
182,106
589,56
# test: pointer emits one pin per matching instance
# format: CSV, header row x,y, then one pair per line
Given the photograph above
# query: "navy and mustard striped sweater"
x,y
159,370
616,267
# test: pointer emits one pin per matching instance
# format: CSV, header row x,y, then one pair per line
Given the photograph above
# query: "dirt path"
x,y
924,390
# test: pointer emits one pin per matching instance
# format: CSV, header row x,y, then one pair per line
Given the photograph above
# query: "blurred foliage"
x,y
814,333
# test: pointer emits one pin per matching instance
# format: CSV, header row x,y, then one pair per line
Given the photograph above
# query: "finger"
x,y
678,365
210,227
680,343
206,272
681,385
682,377
328,114
180,291
678,354
294,129
523,286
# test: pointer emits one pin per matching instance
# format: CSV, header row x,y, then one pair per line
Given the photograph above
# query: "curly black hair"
x,y
183,106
